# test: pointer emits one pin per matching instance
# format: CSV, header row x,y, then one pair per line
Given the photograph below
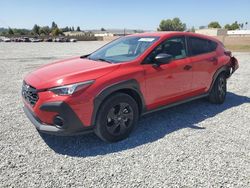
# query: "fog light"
x,y
58,121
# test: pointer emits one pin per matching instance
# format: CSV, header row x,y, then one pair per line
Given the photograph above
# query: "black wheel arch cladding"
x,y
130,87
224,69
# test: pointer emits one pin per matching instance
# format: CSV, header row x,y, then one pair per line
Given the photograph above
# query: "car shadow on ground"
x,y
150,128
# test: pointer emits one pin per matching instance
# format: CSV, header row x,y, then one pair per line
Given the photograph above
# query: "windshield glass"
x,y
123,49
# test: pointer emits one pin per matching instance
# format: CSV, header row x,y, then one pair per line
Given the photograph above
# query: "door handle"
x,y
187,67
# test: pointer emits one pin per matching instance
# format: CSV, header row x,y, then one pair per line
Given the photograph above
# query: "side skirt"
x,y
175,104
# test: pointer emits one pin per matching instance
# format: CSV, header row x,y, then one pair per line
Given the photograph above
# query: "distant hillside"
x,y
3,29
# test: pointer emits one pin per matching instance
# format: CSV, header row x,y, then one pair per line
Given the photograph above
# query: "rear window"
x,y
201,46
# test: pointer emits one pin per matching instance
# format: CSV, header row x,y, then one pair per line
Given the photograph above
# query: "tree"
x,y
241,25
227,26
172,25
78,29
3,33
53,25
214,25
138,31
192,29
57,32
10,31
44,30
36,29
102,29
235,26
18,32
73,29
66,29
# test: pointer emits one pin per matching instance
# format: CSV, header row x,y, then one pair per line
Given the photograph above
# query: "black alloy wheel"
x,y
116,117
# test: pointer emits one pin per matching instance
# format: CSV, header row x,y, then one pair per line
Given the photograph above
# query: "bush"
x,y
172,25
214,25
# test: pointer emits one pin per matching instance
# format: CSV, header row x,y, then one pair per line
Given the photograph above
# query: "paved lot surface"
x,y
193,145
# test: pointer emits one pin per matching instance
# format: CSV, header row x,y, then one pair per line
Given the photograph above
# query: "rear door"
x,y
204,60
169,82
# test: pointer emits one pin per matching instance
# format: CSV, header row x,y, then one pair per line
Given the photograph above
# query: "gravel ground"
x,y
193,145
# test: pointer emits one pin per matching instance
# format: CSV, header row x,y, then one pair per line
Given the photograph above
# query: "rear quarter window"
x,y
201,46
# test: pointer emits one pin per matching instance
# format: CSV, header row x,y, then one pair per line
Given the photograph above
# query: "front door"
x,y
169,82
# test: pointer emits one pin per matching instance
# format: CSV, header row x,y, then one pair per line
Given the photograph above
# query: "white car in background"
x,y
5,39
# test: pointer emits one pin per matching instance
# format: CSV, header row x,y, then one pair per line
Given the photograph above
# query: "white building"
x,y
113,32
103,34
238,32
212,32
74,33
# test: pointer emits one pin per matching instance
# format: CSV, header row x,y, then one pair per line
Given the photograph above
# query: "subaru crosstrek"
x,y
108,90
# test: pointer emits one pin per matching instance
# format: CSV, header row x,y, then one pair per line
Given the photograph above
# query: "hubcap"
x,y
119,119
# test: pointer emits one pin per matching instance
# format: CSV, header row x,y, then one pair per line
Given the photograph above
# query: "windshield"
x,y
123,49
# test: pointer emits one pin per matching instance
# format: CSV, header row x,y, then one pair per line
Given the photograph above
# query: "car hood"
x,y
67,72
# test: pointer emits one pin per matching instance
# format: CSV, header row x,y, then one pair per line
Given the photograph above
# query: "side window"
x,y
201,46
174,46
213,45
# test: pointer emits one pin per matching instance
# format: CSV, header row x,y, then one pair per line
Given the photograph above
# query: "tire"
x,y
116,117
218,92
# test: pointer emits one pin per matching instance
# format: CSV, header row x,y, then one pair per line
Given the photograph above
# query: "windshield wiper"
x,y
98,59
102,59
85,56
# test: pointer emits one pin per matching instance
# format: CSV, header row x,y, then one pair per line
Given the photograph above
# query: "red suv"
x,y
107,91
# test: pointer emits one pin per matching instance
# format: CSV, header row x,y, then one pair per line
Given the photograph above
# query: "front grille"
x,y
29,94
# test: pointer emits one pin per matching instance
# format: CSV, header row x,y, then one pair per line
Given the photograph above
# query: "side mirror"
x,y
162,58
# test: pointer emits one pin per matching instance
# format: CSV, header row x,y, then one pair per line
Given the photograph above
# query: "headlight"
x,y
72,88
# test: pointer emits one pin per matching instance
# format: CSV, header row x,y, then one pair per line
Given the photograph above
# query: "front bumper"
x,y
72,124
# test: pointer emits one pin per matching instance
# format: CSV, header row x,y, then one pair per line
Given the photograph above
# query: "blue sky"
x,y
130,14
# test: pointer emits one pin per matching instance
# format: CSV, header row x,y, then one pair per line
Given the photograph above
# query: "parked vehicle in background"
x,y
5,39
107,91
26,39
73,40
59,39
66,40
15,40
48,40
20,39
35,40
